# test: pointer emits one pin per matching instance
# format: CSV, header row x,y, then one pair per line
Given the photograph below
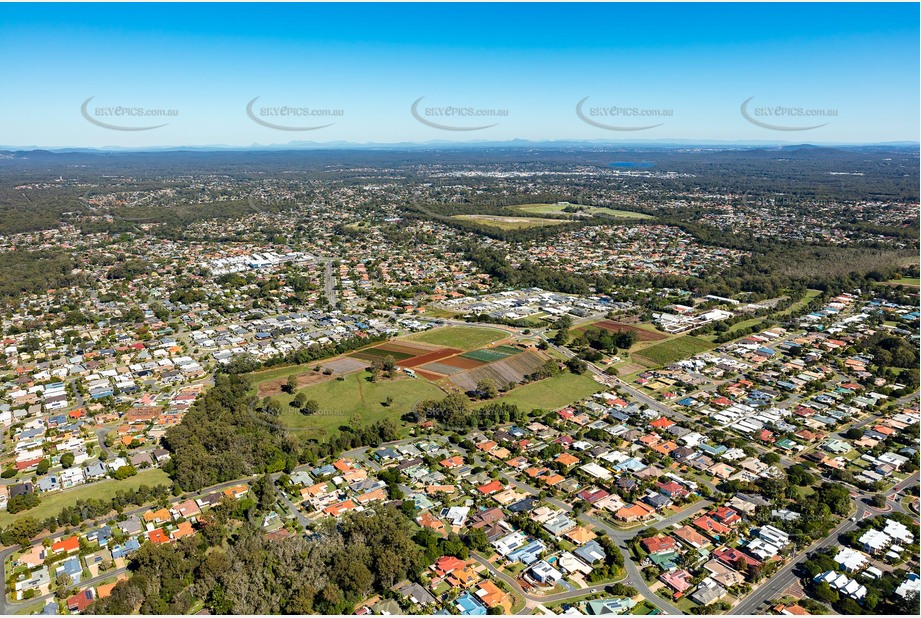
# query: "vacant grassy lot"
x,y
355,400
673,350
780,315
543,209
913,282
52,504
461,337
510,223
551,393
644,332
805,300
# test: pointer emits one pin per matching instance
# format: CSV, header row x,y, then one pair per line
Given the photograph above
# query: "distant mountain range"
x,y
449,145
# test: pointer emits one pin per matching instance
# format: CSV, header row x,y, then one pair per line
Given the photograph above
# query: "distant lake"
x,y
632,164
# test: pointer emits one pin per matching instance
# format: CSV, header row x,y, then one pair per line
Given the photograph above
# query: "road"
x,y
634,576
785,577
612,380
329,283
101,434
539,598
7,609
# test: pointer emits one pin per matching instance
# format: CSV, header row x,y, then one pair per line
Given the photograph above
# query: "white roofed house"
x,y
899,531
851,560
457,515
571,564
874,541
542,573
509,543
774,536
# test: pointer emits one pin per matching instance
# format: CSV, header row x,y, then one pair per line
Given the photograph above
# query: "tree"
x,y
388,364
22,502
124,472
271,406
291,384
63,583
561,337
43,466
576,365
823,592
67,459
477,540
264,491
741,564
486,389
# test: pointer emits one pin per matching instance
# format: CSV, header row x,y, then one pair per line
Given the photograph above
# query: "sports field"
x,y
464,338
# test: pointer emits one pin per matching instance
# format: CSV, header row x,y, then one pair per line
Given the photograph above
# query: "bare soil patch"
x,y
641,333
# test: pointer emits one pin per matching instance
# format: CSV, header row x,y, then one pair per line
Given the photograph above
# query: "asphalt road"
x,y
329,284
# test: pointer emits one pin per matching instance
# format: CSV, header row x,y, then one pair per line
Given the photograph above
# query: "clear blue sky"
x,y
538,61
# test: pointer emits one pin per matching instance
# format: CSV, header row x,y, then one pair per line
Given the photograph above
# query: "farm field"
x,y
465,338
558,208
510,223
52,503
341,401
551,393
673,350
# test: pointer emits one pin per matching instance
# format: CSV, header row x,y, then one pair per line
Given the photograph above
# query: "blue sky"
x,y
693,65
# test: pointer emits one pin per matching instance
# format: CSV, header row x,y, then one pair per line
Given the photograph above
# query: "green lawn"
x,y
27,610
558,208
550,393
52,504
674,350
462,337
342,401
258,377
